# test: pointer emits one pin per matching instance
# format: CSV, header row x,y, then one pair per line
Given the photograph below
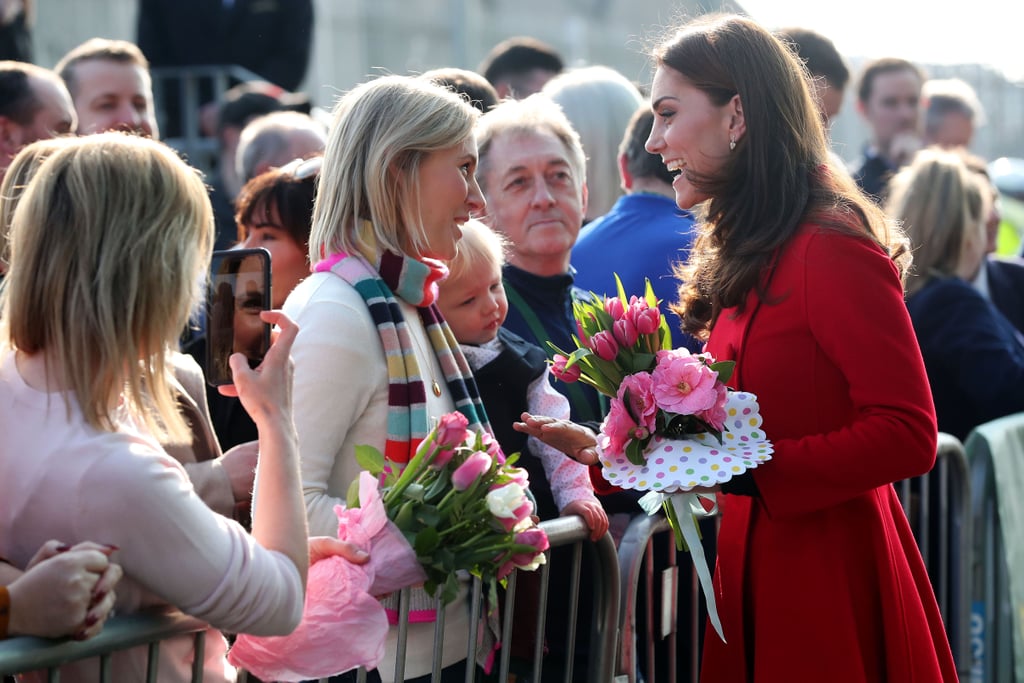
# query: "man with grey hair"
x,y
272,140
533,174
951,112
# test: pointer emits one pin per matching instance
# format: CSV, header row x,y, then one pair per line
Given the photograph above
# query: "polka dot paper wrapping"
x,y
676,465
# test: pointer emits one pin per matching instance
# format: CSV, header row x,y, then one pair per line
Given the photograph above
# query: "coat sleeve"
x,y
858,320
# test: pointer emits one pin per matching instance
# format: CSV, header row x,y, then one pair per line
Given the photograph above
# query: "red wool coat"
x,y
818,577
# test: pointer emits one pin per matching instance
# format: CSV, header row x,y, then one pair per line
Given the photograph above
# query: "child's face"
x,y
474,304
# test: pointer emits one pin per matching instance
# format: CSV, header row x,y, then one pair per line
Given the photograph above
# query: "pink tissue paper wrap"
x,y
343,625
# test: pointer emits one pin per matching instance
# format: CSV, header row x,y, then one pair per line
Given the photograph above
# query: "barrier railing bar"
x,y
506,628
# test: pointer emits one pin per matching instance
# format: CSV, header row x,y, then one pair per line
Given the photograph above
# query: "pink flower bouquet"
x,y
458,505
672,425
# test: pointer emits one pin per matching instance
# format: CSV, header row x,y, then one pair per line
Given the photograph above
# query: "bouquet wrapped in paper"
x,y
458,505
673,426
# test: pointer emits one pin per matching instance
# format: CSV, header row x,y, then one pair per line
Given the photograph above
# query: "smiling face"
x,y
536,198
690,133
111,95
474,304
449,195
289,264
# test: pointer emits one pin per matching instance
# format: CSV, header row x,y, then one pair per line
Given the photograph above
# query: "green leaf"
x,y
635,452
640,362
428,515
439,486
370,459
404,519
352,495
451,589
427,540
724,368
415,492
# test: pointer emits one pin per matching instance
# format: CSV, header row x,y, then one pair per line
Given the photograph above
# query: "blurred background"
x,y
353,39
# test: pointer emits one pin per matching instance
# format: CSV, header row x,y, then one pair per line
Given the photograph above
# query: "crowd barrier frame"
x,y
993,627
944,539
19,655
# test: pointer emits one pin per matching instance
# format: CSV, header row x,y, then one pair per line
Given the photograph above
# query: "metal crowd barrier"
x,y
938,506
20,655
995,452
658,581
190,84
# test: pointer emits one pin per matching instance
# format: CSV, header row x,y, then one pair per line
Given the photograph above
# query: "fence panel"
x,y
19,655
938,506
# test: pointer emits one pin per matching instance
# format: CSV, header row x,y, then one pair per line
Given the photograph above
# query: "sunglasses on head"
x,y
300,169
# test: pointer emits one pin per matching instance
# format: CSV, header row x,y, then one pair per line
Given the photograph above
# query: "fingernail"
x,y
362,553
113,548
97,597
91,620
63,548
80,635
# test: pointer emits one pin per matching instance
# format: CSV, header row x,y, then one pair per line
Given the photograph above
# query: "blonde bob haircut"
x,y
19,173
479,244
108,245
942,205
380,134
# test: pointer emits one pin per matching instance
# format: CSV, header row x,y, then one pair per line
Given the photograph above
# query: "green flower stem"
x,y
410,472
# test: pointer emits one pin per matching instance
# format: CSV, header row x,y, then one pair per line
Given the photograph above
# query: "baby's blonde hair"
x,y
479,244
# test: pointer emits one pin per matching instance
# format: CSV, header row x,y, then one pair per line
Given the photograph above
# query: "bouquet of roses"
x,y
458,505
672,425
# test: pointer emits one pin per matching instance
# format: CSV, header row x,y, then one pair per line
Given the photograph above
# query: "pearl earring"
x,y
732,144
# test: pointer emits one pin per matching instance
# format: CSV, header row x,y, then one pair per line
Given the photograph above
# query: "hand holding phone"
x,y
239,291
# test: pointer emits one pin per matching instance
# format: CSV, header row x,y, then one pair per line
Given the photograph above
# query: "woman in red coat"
x,y
797,277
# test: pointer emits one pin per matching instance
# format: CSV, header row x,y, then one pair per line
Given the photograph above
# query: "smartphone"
x,y
239,290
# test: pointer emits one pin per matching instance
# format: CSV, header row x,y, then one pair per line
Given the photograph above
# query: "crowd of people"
x,y
427,243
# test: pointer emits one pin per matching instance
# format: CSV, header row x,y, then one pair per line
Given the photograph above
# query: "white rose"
x,y
504,501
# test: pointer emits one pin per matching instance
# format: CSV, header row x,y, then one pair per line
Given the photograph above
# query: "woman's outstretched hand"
x,y
575,440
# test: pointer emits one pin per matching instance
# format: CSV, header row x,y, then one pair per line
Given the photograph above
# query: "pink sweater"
x,y
62,479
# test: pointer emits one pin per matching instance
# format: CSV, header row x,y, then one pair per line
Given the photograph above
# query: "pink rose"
x,y
683,384
613,307
604,345
559,370
716,415
625,332
466,474
637,393
618,427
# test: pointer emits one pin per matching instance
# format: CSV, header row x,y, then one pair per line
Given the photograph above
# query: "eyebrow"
x,y
657,102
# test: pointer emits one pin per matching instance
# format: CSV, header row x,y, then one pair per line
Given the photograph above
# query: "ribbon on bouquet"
x,y
687,507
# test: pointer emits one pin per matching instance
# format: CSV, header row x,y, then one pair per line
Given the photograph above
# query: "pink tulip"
x,y
604,345
625,332
535,537
466,474
646,320
559,370
492,447
613,307
451,430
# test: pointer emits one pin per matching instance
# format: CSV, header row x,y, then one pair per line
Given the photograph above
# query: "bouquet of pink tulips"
x,y
461,505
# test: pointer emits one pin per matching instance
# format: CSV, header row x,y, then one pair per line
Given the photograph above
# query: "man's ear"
x,y
624,174
586,195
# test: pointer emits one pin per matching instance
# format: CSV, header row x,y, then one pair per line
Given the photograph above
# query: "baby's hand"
x,y
592,513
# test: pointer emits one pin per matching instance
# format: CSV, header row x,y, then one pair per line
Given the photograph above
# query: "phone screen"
x,y
239,290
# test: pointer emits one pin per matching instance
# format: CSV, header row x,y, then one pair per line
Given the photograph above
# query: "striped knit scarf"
x,y
416,283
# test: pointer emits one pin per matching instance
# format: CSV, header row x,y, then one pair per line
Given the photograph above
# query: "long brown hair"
x,y
779,176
